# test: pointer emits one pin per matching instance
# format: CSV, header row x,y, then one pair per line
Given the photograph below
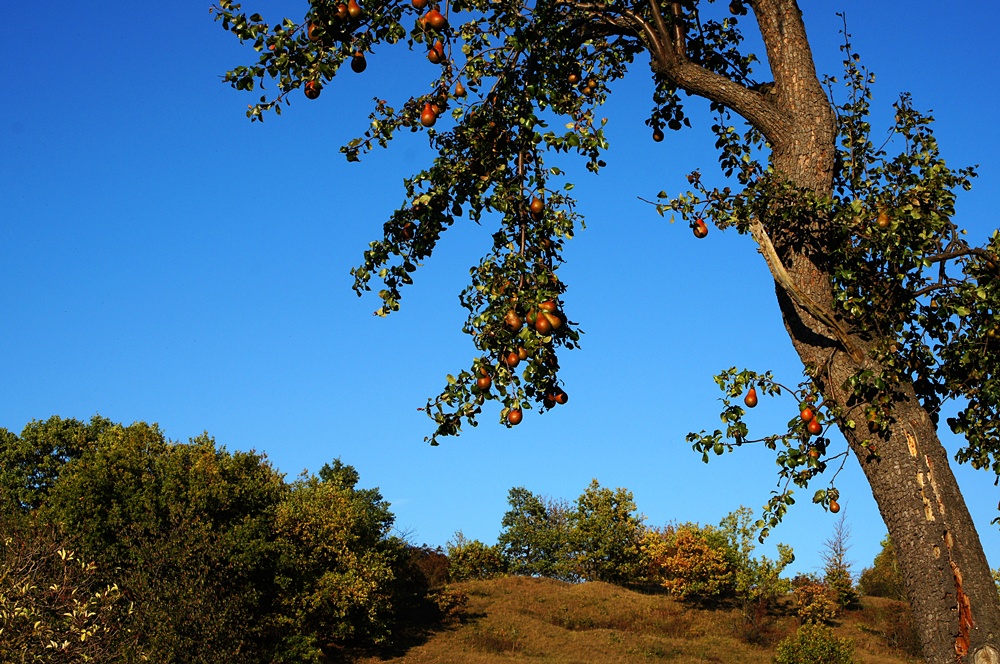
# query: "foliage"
x,y
471,559
814,644
837,568
756,579
814,604
537,538
220,557
893,622
54,607
883,578
757,582
431,564
30,463
608,535
690,561
338,563
597,538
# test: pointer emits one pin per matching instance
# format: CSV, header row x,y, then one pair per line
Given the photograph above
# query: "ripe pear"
x,y
312,89
512,321
751,398
354,10
515,416
542,324
358,62
429,116
436,20
700,229
537,208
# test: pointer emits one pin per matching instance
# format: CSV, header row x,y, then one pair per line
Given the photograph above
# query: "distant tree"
x,y
690,561
757,581
837,567
338,564
607,533
537,536
471,559
222,559
883,578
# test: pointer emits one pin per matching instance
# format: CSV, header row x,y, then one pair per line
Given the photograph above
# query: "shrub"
x,y
53,605
813,604
814,644
689,561
894,623
883,578
471,559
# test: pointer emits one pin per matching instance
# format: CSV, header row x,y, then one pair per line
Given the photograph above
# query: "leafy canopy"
x,y
518,86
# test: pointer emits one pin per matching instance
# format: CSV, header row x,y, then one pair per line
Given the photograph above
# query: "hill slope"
x,y
518,619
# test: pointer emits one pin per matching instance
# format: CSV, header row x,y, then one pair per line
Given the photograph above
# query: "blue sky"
x,y
165,260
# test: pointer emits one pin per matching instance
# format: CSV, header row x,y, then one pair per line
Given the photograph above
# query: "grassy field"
x,y
519,619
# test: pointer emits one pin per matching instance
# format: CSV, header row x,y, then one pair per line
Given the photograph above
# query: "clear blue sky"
x,y
162,259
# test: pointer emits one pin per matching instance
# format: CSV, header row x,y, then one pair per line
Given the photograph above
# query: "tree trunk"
x,y
954,599
955,604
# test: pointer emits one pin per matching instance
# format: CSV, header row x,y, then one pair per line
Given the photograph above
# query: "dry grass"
x,y
521,619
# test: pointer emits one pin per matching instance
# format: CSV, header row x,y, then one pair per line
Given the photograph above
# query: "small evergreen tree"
x,y
837,567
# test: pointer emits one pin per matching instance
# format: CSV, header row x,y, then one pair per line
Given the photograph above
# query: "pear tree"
x,y
890,308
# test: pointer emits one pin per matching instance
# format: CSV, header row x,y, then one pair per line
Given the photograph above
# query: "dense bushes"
x,y
690,561
54,607
220,558
814,644
883,578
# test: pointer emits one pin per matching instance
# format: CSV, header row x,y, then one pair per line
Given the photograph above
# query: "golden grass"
x,y
520,619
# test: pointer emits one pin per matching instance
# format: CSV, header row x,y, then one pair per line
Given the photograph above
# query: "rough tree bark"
x,y
948,579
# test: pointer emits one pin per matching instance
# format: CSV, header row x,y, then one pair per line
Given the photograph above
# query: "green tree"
x,y
222,560
889,308
883,578
338,566
607,534
537,539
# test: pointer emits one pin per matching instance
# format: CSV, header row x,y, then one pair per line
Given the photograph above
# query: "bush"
x,y
689,561
813,604
222,559
894,623
471,559
884,578
53,605
814,644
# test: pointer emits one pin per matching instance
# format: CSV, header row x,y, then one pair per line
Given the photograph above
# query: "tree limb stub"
x,y
784,279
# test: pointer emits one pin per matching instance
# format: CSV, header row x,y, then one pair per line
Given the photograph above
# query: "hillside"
x,y
518,619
